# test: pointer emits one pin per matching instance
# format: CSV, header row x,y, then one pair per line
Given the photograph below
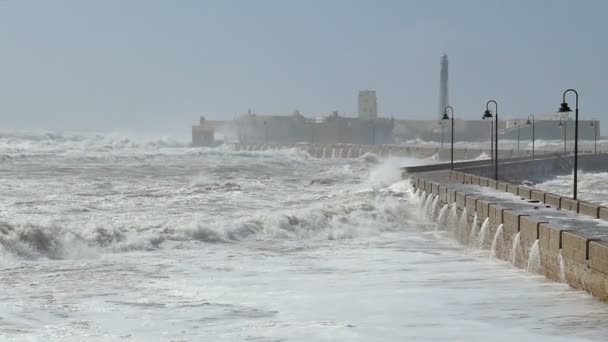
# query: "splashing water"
x,y
497,236
442,218
514,248
534,265
474,231
434,208
452,221
422,202
562,271
426,210
463,224
481,238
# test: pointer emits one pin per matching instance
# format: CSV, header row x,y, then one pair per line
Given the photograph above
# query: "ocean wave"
x,y
364,213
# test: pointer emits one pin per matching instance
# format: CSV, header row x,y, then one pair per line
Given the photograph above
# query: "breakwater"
x,y
544,233
356,151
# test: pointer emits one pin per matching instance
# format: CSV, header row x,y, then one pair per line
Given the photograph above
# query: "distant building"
x,y
203,133
368,105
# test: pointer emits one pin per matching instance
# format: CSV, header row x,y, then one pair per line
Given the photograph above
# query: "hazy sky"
x,y
158,65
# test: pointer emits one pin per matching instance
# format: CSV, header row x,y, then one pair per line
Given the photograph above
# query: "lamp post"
x,y
563,124
488,115
446,117
442,133
492,140
564,108
266,131
517,124
594,125
533,129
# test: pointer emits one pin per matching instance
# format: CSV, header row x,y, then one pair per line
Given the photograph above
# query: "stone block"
x,y
502,186
510,221
428,187
569,204
524,192
492,184
468,178
471,204
443,194
589,209
513,189
538,195
552,200
483,181
451,196
475,180
461,177
529,229
574,246
598,256
435,188
496,214
483,209
461,200
549,237
604,213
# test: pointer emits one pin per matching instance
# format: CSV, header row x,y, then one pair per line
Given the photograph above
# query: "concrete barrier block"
x,y
550,237
502,186
552,200
568,204
574,246
604,213
475,180
453,175
589,209
483,181
461,200
471,204
428,187
451,196
435,188
538,195
529,229
461,177
492,184
598,256
510,221
513,189
443,194
496,214
483,209
468,178
524,192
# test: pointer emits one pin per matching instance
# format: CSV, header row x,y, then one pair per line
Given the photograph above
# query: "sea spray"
x,y
474,231
434,208
534,265
483,233
426,209
497,236
562,271
421,202
514,248
463,224
442,218
452,221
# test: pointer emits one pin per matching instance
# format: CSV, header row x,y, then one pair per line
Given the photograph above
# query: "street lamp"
x,y
488,115
533,128
445,117
594,125
564,108
563,124
518,127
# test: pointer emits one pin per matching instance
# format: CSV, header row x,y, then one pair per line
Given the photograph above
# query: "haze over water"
x,y
107,237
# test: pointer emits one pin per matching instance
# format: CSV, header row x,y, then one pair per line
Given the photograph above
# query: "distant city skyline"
x,y
158,65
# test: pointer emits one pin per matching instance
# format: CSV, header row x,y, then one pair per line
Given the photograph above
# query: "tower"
x,y
368,105
443,85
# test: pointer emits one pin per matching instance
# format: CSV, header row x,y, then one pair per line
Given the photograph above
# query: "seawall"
x,y
541,232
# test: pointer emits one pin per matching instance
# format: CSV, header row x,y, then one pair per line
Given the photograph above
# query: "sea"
x,y
140,237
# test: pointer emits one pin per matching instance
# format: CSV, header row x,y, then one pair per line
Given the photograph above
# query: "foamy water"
x,y
592,187
143,240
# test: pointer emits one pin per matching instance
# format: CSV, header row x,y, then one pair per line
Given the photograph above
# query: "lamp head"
x,y
487,114
564,108
445,116
528,122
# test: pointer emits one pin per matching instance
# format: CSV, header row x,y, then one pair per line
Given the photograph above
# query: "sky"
x,y
158,64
